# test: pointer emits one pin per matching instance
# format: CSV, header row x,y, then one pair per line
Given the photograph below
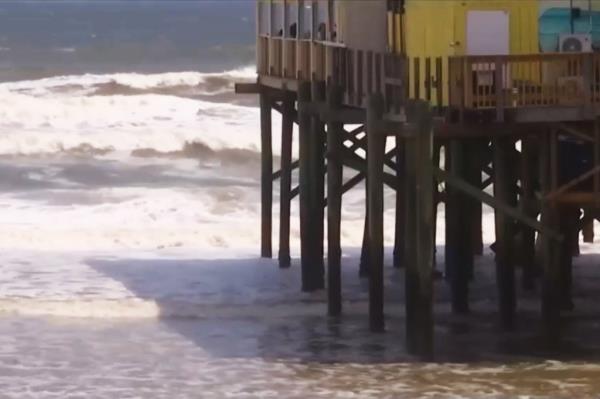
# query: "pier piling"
x,y
376,144
400,203
334,204
528,205
287,128
459,255
504,190
420,242
266,107
304,132
317,188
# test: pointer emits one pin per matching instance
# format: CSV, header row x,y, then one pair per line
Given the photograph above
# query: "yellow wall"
x,y
433,26
437,28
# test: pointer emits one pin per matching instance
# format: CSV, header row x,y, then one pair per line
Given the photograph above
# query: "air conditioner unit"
x,y
575,43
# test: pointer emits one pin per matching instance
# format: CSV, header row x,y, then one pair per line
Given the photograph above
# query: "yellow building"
x,y
467,27
442,28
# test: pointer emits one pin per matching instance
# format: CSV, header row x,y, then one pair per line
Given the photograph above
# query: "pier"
x,y
519,133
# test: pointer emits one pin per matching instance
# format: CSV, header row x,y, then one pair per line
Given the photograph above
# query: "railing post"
x,y
499,83
439,82
587,81
467,90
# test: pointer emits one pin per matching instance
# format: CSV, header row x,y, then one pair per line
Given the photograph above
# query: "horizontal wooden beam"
x,y
278,83
247,88
444,129
553,114
581,199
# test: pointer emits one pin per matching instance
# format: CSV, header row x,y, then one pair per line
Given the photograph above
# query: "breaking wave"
x,y
156,114
138,308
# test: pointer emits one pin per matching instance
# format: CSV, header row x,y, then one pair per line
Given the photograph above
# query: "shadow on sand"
x,y
247,308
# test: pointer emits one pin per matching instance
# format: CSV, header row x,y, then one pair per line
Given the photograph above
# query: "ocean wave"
x,y
128,112
185,84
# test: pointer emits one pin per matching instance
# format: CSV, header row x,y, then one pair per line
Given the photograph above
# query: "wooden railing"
x,y
519,81
462,82
359,73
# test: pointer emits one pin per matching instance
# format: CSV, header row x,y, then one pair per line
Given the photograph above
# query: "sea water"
x,y
129,233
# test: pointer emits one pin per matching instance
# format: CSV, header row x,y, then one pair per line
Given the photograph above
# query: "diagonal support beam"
x,y
493,202
277,174
573,183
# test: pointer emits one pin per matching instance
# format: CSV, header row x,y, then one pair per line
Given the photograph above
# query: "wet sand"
x,y
242,328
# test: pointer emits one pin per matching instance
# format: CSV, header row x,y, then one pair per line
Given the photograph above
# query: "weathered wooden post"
x,y
475,153
266,179
569,218
365,260
551,251
287,128
334,203
376,152
458,252
304,132
420,242
528,205
504,183
399,244
317,193
588,230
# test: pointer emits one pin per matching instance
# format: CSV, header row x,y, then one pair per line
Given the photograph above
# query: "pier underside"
x,y
538,167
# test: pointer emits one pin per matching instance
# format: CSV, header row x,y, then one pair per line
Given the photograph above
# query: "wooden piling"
x,y
569,219
304,132
528,205
588,230
376,145
334,204
458,252
285,199
317,194
551,251
266,175
475,153
504,183
400,203
420,243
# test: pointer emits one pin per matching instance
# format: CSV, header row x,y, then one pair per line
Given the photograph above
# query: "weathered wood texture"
x,y
317,192
285,198
458,255
266,175
504,183
376,145
334,205
420,243
304,131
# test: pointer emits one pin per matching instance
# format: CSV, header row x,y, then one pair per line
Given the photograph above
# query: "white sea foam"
x,y
58,113
47,86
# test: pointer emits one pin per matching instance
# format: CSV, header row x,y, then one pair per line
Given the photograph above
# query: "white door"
x,y
488,33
